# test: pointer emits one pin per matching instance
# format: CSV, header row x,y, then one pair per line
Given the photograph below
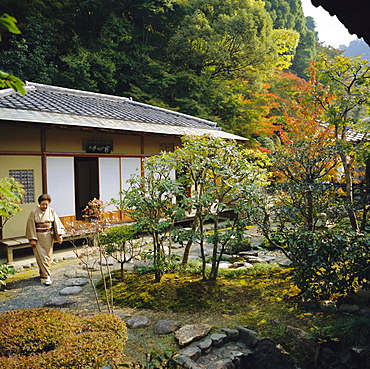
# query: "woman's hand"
x,y
33,243
59,239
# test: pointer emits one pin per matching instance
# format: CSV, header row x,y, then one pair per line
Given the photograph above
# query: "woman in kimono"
x,y
43,228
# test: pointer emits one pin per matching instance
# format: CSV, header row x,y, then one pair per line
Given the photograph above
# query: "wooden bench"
x,y
13,243
7,245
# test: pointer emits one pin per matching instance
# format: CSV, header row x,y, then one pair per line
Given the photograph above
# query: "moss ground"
x,y
264,299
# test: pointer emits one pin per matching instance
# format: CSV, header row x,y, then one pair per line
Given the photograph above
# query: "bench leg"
x,y
9,254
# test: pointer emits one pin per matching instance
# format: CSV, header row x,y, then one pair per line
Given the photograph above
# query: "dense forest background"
x,y
229,61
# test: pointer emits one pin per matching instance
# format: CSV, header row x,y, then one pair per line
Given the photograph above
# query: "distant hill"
x,y
356,47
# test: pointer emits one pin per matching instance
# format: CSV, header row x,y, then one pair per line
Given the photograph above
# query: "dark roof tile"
x,y
66,101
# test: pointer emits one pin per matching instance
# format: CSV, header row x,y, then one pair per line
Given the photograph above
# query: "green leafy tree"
x,y
121,242
341,87
223,38
8,80
11,195
32,56
149,201
223,176
288,14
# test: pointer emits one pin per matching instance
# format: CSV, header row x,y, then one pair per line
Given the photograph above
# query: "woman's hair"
x,y
44,197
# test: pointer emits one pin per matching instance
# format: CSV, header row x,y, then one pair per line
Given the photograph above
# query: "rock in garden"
x,y
365,312
186,362
248,253
232,334
166,326
70,257
350,309
221,364
268,354
248,336
328,306
191,332
77,282
194,353
138,321
105,262
60,301
253,259
77,274
205,345
218,339
70,291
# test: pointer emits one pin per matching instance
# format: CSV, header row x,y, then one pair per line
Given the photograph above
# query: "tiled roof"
x,y
56,105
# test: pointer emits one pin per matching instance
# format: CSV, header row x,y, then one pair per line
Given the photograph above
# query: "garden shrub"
x,y
43,338
353,331
334,261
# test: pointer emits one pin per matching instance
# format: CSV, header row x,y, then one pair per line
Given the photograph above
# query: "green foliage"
x,y
5,271
223,38
34,52
9,22
288,14
353,331
11,194
121,242
326,263
183,55
238,244
42,338
341,87
7,80
224,177
149,201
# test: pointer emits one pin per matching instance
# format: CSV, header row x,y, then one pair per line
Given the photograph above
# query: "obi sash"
x,y
43,227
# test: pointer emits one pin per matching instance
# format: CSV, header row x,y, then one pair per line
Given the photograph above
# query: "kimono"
x,y
45,227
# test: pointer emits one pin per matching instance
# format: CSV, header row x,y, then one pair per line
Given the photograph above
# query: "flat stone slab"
x,y
67,291
76,282
166,326
77,274
191,332
60,301
138,321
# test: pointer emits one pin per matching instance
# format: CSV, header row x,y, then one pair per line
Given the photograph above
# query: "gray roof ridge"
x,y
95,95
74,92
208,122
9,91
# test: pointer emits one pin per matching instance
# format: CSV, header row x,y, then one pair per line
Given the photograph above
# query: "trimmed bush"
x,y
43,338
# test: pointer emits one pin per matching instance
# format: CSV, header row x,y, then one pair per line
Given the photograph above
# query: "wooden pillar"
x,y
43,160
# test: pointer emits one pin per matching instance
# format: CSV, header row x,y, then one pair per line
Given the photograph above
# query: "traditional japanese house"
x,y
78,145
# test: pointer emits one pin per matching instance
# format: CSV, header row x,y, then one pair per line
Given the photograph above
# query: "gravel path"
x,y
25,291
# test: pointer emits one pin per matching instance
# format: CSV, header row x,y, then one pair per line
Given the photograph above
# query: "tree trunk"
x,y
214,269
185,257
349,193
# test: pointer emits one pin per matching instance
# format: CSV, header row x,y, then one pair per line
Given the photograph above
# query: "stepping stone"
x,y
76,282
194,353
77,274
138,321
218,339
70,291
60,301
70,257
191,332
166,326
205,345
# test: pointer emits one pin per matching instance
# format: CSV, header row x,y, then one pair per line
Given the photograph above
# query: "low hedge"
x,y
45,338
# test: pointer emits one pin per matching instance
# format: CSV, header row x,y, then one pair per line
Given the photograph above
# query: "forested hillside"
x,y
216,59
